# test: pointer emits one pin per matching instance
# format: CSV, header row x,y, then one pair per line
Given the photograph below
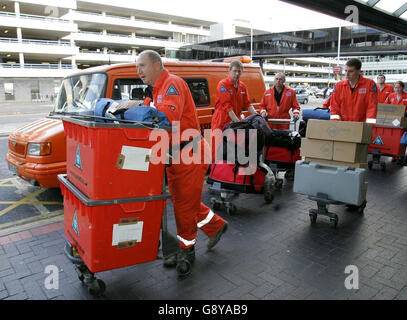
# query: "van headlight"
x,y
39,149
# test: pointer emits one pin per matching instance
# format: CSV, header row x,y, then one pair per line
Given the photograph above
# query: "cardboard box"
x,y
314,148
350,152
334,150
390,110
400,122
338,163
345,131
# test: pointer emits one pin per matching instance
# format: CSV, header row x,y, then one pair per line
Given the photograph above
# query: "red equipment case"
x,y
112,161
386,142
110,234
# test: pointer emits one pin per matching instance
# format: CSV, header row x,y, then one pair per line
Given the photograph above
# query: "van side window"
x,y
129,89
199,90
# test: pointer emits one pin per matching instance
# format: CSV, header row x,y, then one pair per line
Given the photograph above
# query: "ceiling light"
x,y
8,55
3,6
6,31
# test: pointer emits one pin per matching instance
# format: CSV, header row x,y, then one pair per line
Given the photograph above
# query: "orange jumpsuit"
x,y
392,99
359,105
171,95
288,101
327,103
383,94
229,98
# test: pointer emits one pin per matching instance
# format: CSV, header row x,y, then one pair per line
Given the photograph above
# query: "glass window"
x,y
35,90
9,90
130,89
199,90
78,94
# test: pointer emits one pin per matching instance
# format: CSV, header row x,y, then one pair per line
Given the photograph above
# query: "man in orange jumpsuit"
x,y
383,89
354,99
232,97
278,101
172,96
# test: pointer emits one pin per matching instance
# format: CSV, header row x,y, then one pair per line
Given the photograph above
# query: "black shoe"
x,y
185,259
212,241
170,261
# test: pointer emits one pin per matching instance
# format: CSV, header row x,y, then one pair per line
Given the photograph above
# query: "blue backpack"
x,y
317,113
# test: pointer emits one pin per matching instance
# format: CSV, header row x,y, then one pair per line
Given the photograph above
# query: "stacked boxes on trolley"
x,y
113,194
338,144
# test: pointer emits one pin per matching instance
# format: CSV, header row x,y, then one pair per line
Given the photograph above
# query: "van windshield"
x,y
78,94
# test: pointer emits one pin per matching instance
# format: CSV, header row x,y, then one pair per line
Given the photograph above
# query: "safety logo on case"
x,y
75,223
78,161
378,140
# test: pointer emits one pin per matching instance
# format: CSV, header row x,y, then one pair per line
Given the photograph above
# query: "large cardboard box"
x,y
345,131
334,150
399,122
391,115
338,163
314,148
349,152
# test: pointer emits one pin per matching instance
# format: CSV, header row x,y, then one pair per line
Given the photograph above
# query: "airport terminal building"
x,y
41,43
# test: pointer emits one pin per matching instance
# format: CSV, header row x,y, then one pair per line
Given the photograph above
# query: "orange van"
x,y
37,151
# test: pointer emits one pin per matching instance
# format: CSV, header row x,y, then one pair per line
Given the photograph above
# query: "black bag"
x,y
283,138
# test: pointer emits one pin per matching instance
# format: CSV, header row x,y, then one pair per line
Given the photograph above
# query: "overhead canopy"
x,y
386,15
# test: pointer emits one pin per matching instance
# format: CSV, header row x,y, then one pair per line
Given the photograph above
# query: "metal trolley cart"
x,y
114,198
386,142
279,158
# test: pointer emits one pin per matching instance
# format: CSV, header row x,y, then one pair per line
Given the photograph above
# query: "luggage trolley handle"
x,y
283,121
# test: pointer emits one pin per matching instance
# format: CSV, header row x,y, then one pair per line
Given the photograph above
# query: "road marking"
x,y
3,181
48,215
27,226
22,201
31,202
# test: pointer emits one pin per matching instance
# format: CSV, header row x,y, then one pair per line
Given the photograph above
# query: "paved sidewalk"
x,y
269,252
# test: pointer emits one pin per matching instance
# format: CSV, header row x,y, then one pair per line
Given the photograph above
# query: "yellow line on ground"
x,y
32,195
31,202
26,226
45,215
3,181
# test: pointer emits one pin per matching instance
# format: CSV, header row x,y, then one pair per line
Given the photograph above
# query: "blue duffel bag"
x,y
317,113
146,114
101,107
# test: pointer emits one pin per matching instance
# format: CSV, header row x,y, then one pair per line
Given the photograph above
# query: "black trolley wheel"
x,y
334,221
231,209
97,288
313,218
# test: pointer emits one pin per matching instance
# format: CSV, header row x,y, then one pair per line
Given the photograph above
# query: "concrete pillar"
x,y
21,57
104,32
74,66
19,35
17,8
105,50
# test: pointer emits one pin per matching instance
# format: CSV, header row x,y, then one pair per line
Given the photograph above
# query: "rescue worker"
x,y
354,99
278,101
172,96
383,89
398,97
232,97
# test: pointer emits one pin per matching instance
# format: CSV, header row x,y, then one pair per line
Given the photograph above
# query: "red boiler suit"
x,y
383,94
288,101
392,99
229,98
172,96
359,105
327,103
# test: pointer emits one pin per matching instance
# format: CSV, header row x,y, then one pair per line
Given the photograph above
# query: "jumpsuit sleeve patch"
x,y
172,91
222,89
